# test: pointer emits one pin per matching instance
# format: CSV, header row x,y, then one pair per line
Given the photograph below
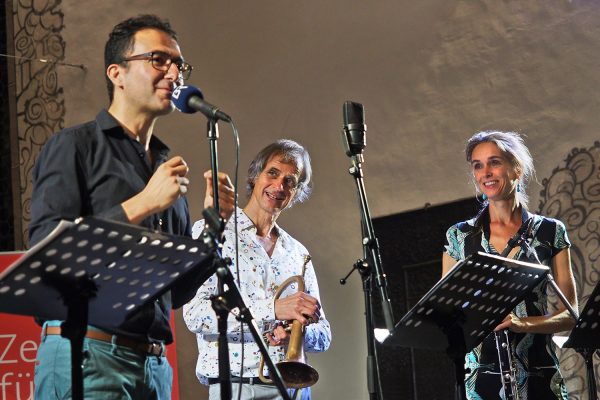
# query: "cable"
x,y
46,61
236,137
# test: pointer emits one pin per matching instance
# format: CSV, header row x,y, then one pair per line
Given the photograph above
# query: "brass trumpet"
x,y
296,373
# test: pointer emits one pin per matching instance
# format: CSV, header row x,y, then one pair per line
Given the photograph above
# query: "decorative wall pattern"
x,y
572,195
40,103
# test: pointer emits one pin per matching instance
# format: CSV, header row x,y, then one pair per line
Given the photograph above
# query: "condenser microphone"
x,y
189,99
354,128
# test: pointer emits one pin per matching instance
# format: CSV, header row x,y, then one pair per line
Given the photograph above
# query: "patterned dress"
x,y
538,376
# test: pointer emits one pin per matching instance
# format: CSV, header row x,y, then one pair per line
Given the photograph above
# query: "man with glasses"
x,y
115,168
278,177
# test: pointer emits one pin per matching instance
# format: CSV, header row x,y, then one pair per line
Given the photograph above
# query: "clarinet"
x,y
508,367
507,361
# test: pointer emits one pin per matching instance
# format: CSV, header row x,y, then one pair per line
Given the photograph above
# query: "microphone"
x,y
354,128
189,99
520,238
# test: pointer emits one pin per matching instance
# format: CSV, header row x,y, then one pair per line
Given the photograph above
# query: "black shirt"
x,y
90,169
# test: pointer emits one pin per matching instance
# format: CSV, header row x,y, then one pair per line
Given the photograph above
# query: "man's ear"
x,y
114,73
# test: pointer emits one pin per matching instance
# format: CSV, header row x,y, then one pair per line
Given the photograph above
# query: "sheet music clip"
x,y
465,306
98,272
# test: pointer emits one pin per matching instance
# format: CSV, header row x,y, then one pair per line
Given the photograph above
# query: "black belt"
x,y
237,379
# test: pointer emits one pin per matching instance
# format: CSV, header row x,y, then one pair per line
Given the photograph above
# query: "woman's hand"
x,y
513,323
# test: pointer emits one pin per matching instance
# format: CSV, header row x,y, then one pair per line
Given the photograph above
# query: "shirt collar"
x,y
246,224
109,124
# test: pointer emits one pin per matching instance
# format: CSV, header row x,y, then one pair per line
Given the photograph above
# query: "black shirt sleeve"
x,y
59,187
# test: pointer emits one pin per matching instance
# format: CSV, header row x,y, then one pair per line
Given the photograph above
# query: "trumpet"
x,y
296,373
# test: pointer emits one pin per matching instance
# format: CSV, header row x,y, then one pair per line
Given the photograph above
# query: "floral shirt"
x,y
260,277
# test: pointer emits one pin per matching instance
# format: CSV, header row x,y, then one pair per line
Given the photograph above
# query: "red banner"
x,y
19,340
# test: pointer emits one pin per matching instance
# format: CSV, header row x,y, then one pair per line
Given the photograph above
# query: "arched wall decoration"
x,y
39,98
572,195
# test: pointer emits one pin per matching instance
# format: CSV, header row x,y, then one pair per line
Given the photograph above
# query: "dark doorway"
x,y
411,249
7,239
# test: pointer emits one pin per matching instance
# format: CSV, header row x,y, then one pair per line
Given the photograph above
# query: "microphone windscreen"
x,y
354,128
354,113
182,95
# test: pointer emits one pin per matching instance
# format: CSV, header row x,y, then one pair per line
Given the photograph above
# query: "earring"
x,y
484,197
518,187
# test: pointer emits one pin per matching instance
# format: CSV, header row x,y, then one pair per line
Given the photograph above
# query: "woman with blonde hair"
x,y
502,166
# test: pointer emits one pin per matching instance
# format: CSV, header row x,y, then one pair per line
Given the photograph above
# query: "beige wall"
x,y
429,73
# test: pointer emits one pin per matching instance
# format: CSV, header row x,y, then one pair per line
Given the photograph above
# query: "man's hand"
x,y
299,306
226,194
166,185
280,336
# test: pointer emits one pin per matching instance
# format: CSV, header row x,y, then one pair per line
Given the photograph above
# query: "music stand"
x,y
585,337
98,272
465,306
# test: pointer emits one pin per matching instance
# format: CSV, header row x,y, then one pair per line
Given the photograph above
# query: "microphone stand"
x,y
371,270
213,135
587,354
224,301
574,314
221,312
520,239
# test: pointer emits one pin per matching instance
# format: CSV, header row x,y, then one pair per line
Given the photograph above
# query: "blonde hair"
x,y
514,148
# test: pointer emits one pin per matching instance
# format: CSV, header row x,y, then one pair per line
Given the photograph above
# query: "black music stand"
x,y
465,306
99,272
585,337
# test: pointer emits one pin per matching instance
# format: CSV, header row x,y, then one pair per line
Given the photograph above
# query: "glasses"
x,y
162,62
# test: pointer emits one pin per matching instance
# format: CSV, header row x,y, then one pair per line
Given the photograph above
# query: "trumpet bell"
x,y
297,375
